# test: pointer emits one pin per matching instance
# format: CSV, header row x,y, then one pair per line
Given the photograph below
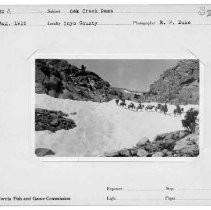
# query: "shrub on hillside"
x,y
190,120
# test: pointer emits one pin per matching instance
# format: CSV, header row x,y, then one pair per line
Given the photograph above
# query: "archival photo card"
x,y
105,104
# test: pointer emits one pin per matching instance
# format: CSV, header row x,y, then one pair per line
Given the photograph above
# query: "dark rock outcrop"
x,y
60,79
179,84
52,120
41,152
173,144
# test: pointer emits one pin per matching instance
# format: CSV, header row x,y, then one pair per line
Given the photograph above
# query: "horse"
x,y
122,103
178,110
164,109
131,106
149,107
158,107
140,106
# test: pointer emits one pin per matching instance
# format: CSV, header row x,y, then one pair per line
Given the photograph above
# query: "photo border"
x,y
187,55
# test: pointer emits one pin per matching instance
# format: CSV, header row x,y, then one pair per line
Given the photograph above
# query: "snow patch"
x,y
101,127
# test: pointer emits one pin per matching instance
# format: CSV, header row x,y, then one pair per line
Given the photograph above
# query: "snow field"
x,y
102,127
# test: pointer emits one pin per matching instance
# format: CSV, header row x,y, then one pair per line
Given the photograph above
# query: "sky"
x,y
131,74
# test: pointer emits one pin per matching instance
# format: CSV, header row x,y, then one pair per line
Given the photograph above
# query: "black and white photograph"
x,y
105,104
117,108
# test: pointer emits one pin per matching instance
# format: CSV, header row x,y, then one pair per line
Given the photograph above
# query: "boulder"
x,y
169,136
133,151
194,138
169,144
172,135
125,153
39,88
52,93
187,146
158,154
142,141
39,123
160,137
191,139
39,75
191,150
54,122
150,147
169,153
182,134
111,154
165,151
141,153
41,152
181,144
66,94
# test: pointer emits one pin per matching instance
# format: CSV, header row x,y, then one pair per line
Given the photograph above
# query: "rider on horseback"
x,y
131,106
140,106
178,110
165,108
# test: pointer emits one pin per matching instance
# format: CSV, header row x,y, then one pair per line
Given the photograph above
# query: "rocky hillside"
x,y
60,79
174,144
179,84
52,120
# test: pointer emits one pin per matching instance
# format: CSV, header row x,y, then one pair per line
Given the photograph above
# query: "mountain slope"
x,y
60,79
179,84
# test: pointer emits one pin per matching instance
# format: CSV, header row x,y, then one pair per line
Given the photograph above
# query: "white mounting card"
x,y
105,105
